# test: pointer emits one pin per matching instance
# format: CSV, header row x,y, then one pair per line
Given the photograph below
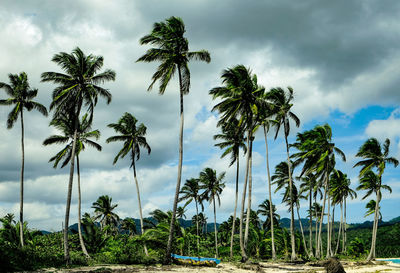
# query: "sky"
x,y
341,58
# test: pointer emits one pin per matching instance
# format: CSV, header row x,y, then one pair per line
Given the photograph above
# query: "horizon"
x,y
341,61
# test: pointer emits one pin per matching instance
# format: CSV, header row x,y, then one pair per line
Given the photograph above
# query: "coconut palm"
x,y
104,210
66,126
129,225
370,206
212,184
232,140
77,88
190,192
133,137
264,210
21,96
282,103
240,97
375,156
172,50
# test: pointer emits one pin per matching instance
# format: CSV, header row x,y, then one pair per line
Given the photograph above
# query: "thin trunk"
x,y
292,239
316,229
246,232
302,232
328,230
270,197
167,259
310,227
215,230
340,229
332,229
69,195
138,196
236,199
242,247
372,253
345,229
319,244
21,193
197,227
79,210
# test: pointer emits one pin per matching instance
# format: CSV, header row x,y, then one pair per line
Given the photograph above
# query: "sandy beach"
x,y
350,267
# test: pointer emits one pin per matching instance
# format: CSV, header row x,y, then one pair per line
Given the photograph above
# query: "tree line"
x,y
243,106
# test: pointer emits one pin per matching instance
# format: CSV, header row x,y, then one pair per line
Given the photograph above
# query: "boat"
x,y
200,261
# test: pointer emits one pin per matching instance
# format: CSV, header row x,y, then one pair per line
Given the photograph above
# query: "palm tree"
x,y
240,100
264,210
213,186
77,88
370,206
375,156
129,225
172,50
232,141
133,137
190,192
282,103
66,126
103,209
21,95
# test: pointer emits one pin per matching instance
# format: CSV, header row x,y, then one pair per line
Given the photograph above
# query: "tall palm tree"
x,y
104,210
190,192
264,210
232,140
133,137
370,206
66,126
240,97
21,95
375,156
282,102
172,50
129,225
212,184
77,88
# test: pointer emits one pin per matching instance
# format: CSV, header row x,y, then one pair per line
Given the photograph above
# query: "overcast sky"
x,y
341,58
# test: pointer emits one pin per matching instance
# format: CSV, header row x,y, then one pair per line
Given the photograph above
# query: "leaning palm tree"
x,y
104,210
172,50
77,88
375,156
21,96
232,140
213,186
282,102
240,97
133,137
66,126
190,192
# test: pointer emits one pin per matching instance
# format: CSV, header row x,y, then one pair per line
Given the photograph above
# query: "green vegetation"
x,y
243,107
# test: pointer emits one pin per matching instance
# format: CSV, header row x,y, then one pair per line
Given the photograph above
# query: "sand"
x,y
230,268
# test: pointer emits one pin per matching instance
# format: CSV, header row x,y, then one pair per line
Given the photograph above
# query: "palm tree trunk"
x,y
140,203
340,229
79,210
167,259
270,197
69,194
310,225
345,228
316,229
215,229
242,247
332,229
246,232
21,193
319,244
372,253
292,239
328,230
197,228
302,232
236,199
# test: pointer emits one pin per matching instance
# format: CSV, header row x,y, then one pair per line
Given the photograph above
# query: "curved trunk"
x,y
167,259
236,199
79,210
372,253
138,196
69,194
302,232
270,197
292,239
21,192
246,232
242,247
215,229
319,244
